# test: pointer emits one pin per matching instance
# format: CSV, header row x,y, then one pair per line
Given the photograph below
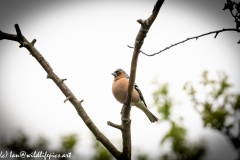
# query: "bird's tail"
x,y
150,116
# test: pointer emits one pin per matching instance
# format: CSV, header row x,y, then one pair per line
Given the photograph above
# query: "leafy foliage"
x,y
234,7
142,156
220,109
231,6
101,152
21,142
68,142
163,102
181,149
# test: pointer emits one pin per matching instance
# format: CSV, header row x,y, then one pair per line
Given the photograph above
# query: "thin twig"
x,y
196,37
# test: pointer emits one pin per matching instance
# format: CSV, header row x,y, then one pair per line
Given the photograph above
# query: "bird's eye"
x,y
118,73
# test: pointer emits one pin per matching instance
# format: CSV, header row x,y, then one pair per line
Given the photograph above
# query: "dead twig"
x,y
195,37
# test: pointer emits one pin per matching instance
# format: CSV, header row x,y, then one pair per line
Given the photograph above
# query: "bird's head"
x,y
119,73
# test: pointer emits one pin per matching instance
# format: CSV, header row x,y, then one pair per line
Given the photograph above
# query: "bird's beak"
x,y
114,74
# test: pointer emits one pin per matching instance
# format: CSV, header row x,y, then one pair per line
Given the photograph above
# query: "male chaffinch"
x,y
120,88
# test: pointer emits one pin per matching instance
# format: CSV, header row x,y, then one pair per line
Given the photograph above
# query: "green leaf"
x,y
165,110
69,141
176,133
236,105
101,152
164,89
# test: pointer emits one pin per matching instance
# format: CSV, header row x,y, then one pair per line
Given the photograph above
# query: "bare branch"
x,y
115,125
63,87
126,122
8,36
196,37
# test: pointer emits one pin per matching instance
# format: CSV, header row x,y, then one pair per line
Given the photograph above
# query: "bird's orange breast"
x,y
119,90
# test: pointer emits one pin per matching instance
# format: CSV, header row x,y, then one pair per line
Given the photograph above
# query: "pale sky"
x,y
85,41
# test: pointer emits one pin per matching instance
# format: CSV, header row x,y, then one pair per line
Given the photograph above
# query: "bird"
x,y
120,89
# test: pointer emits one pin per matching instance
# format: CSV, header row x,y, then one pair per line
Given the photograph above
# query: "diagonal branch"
x,y
126,122
196,37
63,87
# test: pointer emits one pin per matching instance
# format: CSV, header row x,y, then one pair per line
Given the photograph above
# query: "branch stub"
x,y
69,97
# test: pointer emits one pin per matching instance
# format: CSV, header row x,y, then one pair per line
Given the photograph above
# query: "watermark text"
x,y
36,154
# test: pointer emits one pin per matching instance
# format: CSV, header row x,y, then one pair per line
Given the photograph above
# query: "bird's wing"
x,y
139,92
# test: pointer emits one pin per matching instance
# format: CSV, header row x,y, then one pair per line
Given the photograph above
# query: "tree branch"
x,y
229,5
196,37
62,86
115,125
126,122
